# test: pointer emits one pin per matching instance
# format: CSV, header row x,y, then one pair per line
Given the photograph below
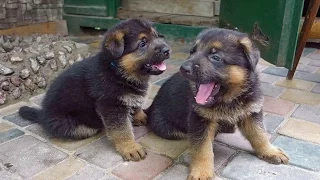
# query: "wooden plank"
x,y
57,27
182,7
315,30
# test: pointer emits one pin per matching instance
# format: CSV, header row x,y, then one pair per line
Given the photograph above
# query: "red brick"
x,y
146,169
277,106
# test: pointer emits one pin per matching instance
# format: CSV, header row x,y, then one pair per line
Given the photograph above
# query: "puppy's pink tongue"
x,y
162,66
204,92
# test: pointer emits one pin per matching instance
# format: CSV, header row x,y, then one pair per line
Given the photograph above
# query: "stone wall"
x,y
14,13
28,64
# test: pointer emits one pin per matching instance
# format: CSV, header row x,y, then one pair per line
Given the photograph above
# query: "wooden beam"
x,y
57,27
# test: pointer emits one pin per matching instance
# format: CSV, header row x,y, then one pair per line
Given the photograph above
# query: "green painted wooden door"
x,y
272,24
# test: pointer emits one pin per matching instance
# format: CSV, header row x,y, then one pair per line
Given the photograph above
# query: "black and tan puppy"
x,y
105,91
216,90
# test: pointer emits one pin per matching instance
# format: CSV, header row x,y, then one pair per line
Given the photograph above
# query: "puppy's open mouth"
x,y
206,93
155,69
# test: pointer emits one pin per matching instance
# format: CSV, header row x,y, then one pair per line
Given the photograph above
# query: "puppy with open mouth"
x,y
105,91
216,90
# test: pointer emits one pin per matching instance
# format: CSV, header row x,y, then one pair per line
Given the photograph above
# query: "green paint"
x,y
277,20
85,2
85,10
171,31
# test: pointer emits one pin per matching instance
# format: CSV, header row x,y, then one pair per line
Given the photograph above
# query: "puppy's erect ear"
x,y
253,54
114,42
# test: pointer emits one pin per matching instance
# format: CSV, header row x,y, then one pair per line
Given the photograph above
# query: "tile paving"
x,y
292,120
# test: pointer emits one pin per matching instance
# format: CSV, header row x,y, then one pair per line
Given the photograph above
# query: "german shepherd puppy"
x,y
216,90
105,91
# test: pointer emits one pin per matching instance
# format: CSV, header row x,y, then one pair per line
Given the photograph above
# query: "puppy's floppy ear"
x,y
114,42
253,54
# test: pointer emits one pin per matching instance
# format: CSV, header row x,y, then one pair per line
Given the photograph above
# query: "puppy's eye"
x,y
142,44
215,57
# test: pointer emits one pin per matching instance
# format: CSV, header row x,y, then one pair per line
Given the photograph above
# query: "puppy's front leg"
x,y
118,127
201,166
252,128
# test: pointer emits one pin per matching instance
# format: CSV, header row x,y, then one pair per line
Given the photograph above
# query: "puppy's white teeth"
x,y
148,64
194,97
206,101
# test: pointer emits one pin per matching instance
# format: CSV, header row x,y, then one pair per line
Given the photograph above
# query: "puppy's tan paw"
x,y
274,155
140,118
203,174
132,151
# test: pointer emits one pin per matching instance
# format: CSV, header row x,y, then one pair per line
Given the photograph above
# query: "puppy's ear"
x,y
114,42
252,53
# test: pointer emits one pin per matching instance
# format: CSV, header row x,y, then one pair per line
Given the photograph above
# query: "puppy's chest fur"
x,y
231,113
132,100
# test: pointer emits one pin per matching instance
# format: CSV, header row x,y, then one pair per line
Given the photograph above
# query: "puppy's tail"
x,y
29,113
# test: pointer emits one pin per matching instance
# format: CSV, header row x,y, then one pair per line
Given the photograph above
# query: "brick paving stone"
x,y
308,113
12,108
271,122
307,51
302,154
318,72
296,84
5,127
109,177
299,96
37,99
159,83
301,129
153,91
171,148
139,131
221,155
304,60
29,156
235,139
179,55
307,68
267,78
10,134
261,67
146,169
177,172
278,71
307,76
315,63
7,174
100,153
314,56
248,167
87,173
316,89
38,130
277,106
271,90
158,77
73,145
62,170
17,119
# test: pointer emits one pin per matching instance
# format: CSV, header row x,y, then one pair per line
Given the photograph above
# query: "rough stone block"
x,y
302,154
308,113
171,148
29,156
100,153
17,119
271,90
278,71
316,89
248,167
277,106
177,172
303,97
87,173
10,134
296,84
146,169
267,78
236,140
303,130
4,127
272,122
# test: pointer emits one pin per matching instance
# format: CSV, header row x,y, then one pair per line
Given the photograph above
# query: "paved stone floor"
x,y
292,118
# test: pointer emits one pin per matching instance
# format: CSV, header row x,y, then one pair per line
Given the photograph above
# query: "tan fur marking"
x,y
232,37
125,144
139,117
201,166
217,44
247,44
142,35
83,131
129,63
237,80
258,139
132,100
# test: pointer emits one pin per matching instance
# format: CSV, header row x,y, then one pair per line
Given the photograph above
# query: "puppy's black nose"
x,y
186,68
166,51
